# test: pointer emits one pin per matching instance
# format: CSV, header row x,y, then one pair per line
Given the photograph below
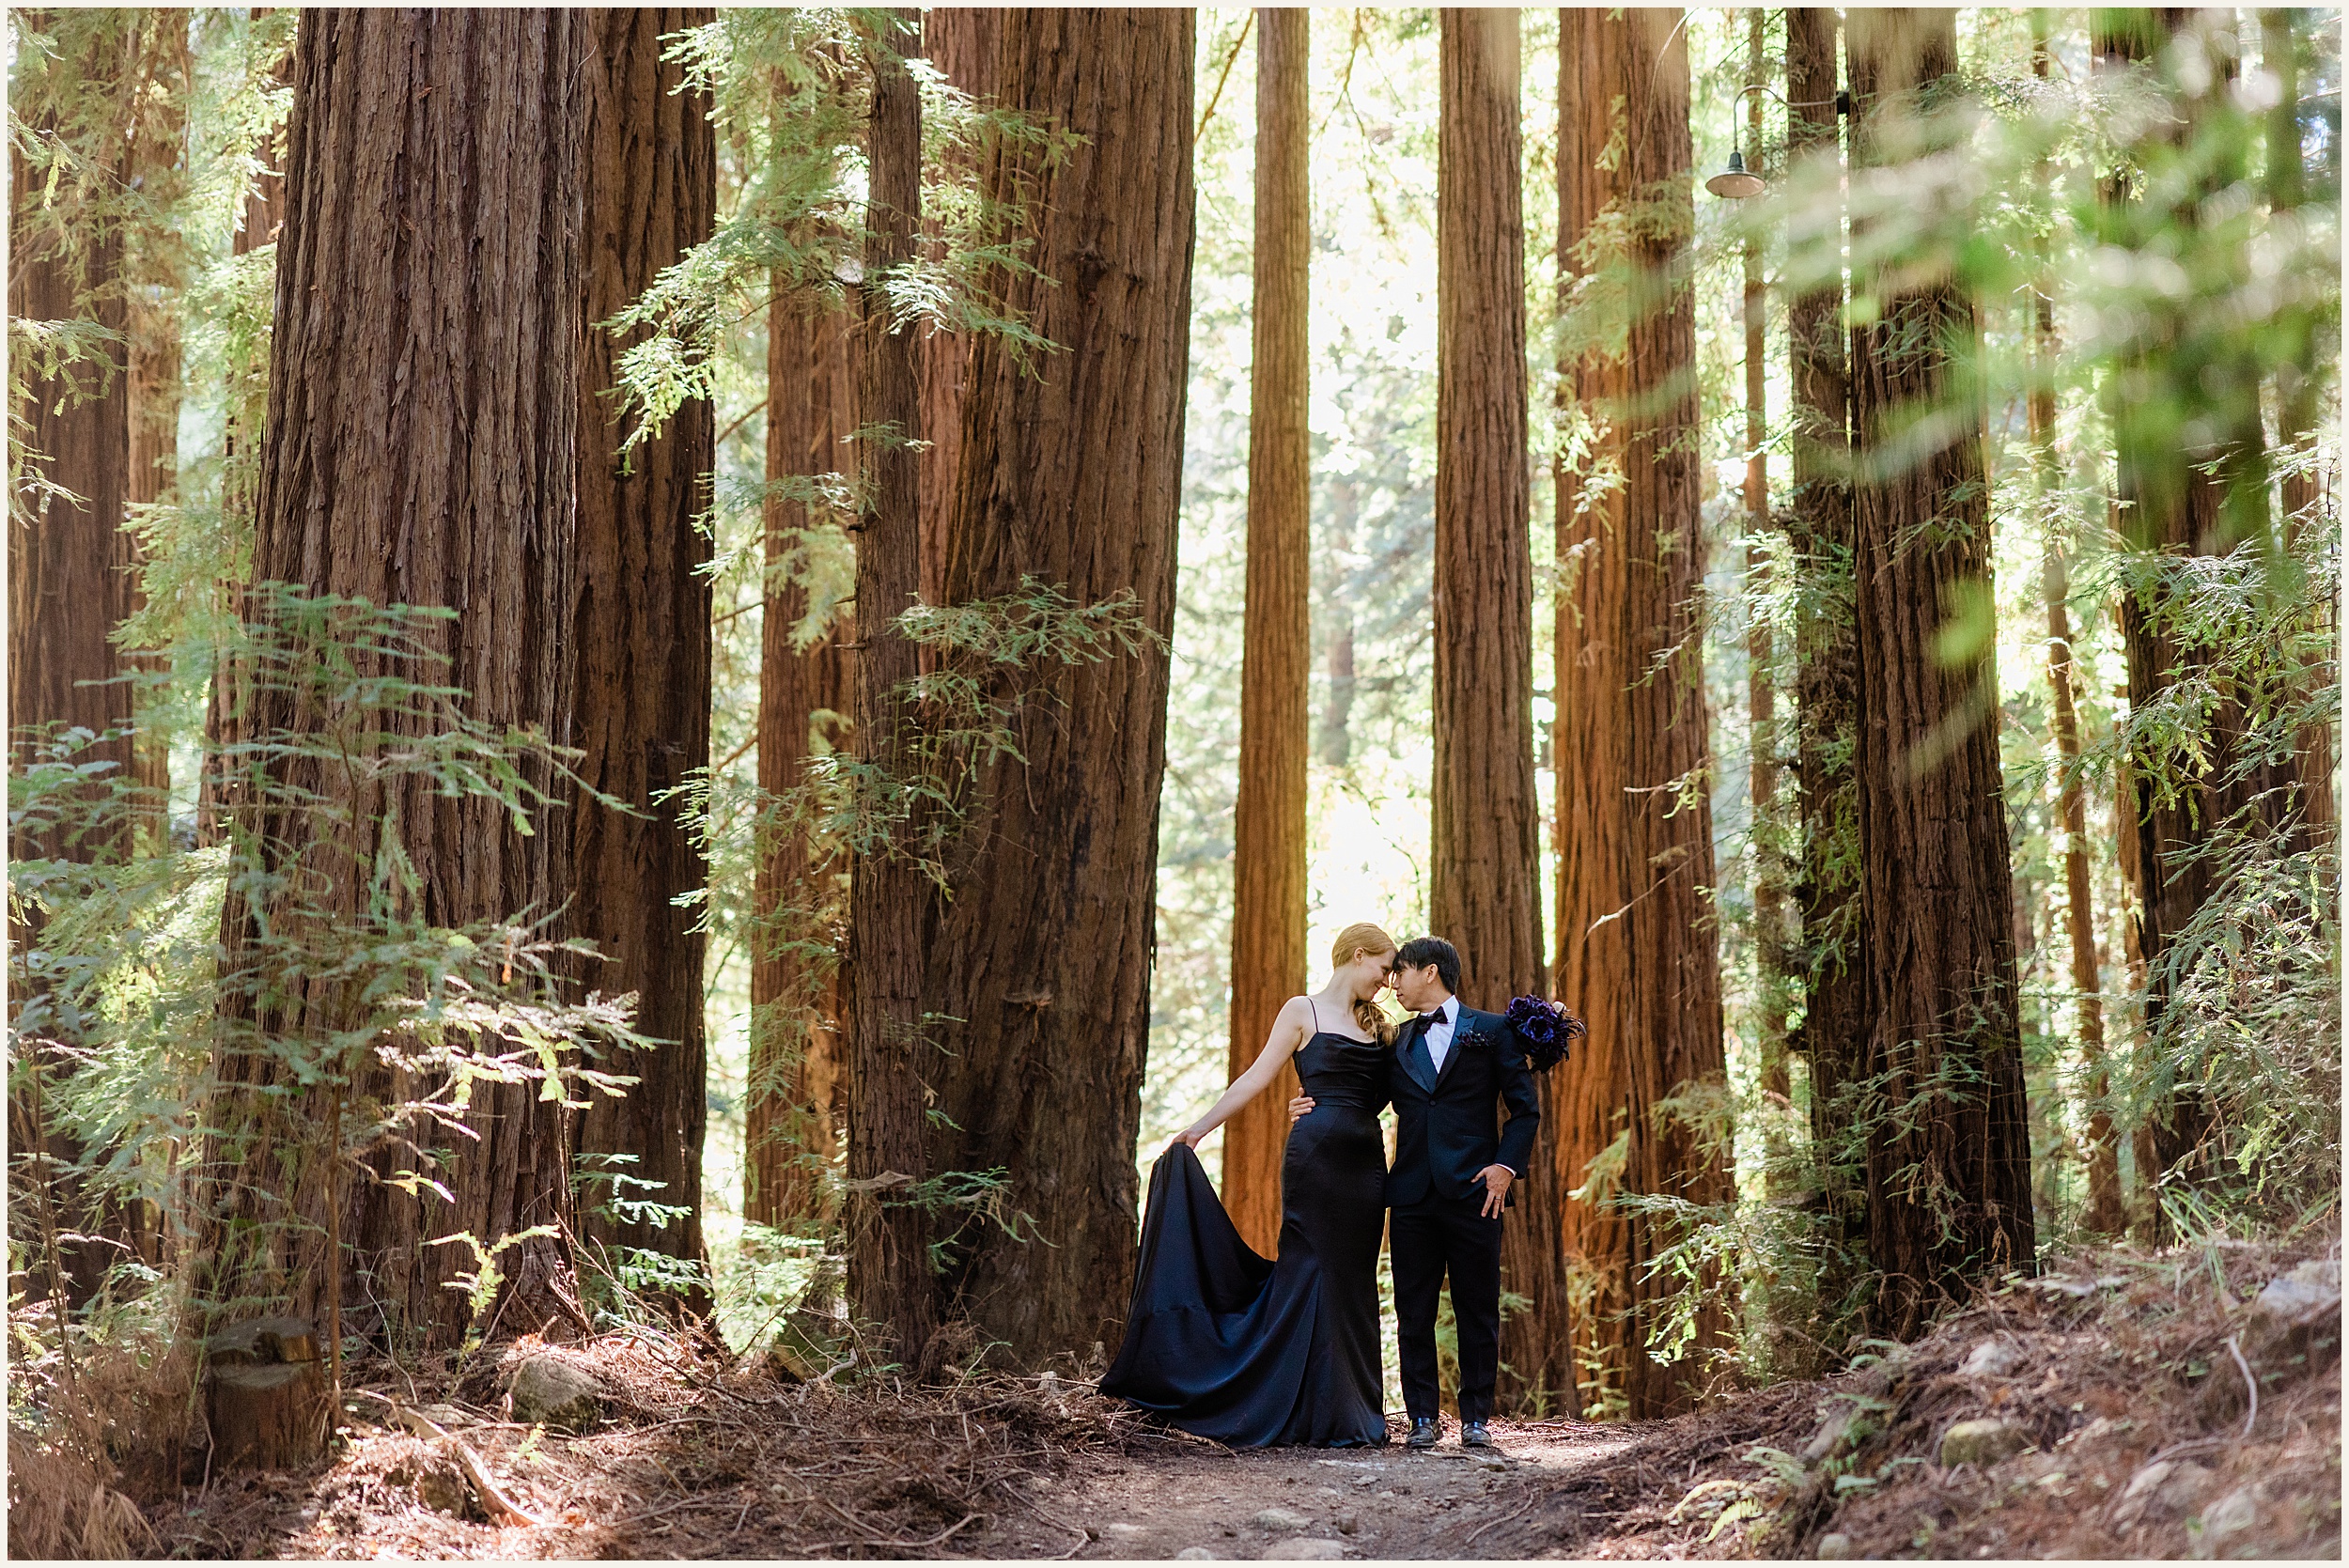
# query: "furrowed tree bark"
x,y
640,684
960,41
798,1085
1949,1160
68,587
1637,948
433,203
1833,960
1485,864
2106,1215
1070,476
890,1280
1268,904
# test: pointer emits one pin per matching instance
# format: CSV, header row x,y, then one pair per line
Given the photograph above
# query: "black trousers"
x,y
1427,1241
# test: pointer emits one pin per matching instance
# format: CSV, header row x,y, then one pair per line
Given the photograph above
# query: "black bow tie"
x,y
1432,1018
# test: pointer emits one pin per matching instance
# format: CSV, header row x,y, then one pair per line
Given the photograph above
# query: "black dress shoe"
x,y
1473,1435
1423,1432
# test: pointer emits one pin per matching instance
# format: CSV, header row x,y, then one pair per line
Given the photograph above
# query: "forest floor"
x,y
2106,1410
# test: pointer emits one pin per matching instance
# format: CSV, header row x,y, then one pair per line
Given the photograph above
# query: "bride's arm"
x,y
1288,1033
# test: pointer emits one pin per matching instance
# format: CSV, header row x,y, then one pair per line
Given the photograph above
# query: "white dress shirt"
x,y
1440,1024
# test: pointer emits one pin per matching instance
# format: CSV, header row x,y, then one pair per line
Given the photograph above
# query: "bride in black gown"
x,y
1227,1344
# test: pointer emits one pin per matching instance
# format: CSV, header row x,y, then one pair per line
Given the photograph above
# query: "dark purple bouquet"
x,y
1545,1029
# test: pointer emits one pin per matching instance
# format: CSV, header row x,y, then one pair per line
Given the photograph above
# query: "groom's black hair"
x,y
1420,951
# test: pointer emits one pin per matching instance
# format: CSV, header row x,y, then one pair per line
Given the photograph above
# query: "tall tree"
x,y
1039,976
69,559
69,582
224,706
1485,865
1769,895
1949,1164
2179,499
1834,960
1268,910
456,489
155,160
890,1280
639,682
796,1102
1638,949
2106,1215
960,41
2300,382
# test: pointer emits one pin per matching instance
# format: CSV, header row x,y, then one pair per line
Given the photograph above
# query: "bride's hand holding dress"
x,y
1227,1344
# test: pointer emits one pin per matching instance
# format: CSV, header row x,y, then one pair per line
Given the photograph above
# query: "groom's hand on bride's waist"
x,y
1496,1179
1301,1108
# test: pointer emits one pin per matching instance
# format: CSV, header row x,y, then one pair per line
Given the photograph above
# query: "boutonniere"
x,y
1546,1028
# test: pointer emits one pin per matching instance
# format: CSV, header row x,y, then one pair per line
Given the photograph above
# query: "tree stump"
x,y
265,1395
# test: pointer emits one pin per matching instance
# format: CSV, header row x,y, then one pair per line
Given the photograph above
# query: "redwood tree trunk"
x,y
890,1279
68,586
640,686
960,41
1834,955
1949,1175
2177,505
1269,958
68,564
2300,382
1069,475
433,189
1638,950
1485,863
797,1088
1760,693
2106,1214
152,357
223,704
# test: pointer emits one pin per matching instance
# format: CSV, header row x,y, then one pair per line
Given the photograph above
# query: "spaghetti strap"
x,y
1316,1011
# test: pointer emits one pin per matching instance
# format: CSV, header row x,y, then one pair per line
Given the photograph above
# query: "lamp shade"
x,y
1734,183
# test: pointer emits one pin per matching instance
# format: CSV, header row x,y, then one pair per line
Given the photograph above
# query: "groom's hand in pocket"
x,y
1301,1108
1496,1179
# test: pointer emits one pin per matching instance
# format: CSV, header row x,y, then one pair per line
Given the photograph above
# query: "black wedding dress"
x,y
1224,1343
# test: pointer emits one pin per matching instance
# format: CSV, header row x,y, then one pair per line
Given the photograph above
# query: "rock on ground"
x,y
1281,1518
548,1389
1992,1358
2166,1488
1984,1441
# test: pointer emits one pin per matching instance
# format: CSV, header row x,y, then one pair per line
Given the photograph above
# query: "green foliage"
x,y
2253,1022
228,1073
791,88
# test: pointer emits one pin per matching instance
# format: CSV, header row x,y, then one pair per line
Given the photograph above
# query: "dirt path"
x,y
1299,1503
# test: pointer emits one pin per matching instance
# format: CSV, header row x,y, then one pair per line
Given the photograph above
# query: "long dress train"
x,y
1228,1344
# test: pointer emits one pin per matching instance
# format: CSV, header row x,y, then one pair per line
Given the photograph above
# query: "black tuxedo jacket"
x,y
1444,1136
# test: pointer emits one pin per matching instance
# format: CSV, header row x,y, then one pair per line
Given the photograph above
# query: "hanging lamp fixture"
x,y
1736,182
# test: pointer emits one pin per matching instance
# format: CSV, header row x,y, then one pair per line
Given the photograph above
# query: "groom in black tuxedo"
x,y
1454,1168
